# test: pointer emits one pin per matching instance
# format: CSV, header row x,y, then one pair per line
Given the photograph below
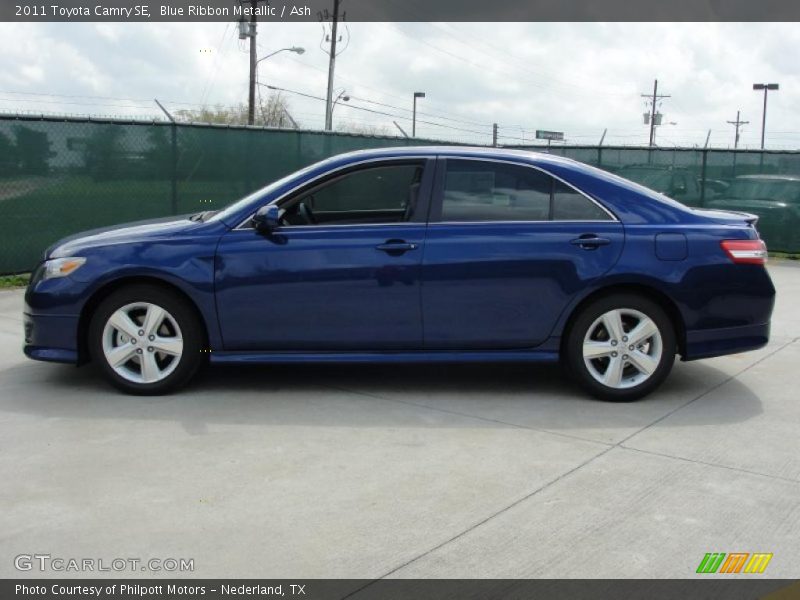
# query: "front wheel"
x,y
146,339
621,347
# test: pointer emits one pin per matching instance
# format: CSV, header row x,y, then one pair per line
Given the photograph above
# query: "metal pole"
x,y
703,177
331,68
764,118
414,118
174,161
600,147
653,114
405,135
251,99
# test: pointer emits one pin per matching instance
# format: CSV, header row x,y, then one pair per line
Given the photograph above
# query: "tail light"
x,y
745,252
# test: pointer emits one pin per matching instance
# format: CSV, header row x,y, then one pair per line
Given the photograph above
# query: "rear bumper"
x,y
51,338
707,343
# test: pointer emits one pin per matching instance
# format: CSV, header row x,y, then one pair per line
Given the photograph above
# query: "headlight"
x,y
61,267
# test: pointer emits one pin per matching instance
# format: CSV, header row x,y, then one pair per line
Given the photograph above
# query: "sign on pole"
x,y
541,134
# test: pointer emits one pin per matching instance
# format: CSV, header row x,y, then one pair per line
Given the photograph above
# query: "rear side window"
x,y
485,191
489,191
570,205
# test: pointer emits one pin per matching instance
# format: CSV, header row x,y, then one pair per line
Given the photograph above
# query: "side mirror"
x,y
267,218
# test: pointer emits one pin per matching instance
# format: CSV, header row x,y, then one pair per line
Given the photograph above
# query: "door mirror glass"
x,y
267,218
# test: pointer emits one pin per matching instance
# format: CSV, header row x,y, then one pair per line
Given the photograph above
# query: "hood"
x,y
127,233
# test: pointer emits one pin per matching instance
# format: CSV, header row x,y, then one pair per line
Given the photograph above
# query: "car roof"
x,y
773,177
459,151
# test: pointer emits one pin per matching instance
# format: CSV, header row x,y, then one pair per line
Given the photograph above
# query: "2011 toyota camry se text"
x,y
412,254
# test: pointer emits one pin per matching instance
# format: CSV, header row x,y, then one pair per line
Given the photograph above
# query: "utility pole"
x,y
766,87
331,67
251,98
737,123
653,101
494,134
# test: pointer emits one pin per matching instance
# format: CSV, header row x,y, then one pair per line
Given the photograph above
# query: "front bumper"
x,y
51,338
707,343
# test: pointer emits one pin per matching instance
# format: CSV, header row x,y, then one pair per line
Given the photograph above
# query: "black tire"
x,y
191,328
579,327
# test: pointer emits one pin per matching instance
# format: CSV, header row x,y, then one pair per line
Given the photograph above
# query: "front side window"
x,y
380,194
490,191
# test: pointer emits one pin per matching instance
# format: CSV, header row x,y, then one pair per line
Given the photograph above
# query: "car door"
x,y
508,246
342,272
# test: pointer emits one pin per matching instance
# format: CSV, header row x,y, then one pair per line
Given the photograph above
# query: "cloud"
x,y
580,78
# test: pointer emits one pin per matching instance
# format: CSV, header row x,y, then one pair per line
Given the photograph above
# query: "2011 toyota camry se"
x,y
412,254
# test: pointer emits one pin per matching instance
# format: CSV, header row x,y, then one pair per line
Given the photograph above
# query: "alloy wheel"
x,y
142,342
622,348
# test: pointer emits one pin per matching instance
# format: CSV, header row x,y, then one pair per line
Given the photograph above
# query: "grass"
x,y
14,281
785,255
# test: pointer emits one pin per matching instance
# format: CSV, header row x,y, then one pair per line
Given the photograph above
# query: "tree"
x,y
365,129
271,112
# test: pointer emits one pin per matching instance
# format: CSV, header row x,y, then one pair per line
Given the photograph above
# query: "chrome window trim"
x,y
366,161
243,225
522,222
541,170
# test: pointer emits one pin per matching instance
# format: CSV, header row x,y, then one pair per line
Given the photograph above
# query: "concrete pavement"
x,y
405,471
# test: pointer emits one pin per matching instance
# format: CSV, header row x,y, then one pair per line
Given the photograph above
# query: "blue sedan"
x,y
435,254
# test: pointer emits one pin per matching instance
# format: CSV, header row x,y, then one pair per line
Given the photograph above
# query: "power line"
x,y
384,93
377,112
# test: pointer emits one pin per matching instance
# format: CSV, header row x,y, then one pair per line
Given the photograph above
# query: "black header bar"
x,y
401,10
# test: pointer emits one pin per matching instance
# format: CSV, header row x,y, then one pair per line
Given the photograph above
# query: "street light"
x,y
414,119
766,87
254,77
343,97
295,49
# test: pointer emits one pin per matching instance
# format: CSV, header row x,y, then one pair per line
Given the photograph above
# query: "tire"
x,y
590,347
170,344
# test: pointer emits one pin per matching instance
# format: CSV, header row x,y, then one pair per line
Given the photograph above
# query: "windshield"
x,y
764,189
232,209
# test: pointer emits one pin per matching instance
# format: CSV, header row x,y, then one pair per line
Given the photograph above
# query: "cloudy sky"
x,y
580,78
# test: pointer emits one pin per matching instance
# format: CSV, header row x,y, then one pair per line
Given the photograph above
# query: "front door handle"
x,y
396,246
589,241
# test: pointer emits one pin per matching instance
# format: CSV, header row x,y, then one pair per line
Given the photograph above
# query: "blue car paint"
x,y
467,292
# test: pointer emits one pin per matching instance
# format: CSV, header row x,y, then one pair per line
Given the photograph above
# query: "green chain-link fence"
x,y
59,177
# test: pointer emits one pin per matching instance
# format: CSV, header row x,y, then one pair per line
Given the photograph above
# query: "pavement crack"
x,y
609,447
707,392
485,520
710,464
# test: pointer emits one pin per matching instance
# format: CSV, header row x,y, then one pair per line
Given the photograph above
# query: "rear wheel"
x,y
146,339
621,347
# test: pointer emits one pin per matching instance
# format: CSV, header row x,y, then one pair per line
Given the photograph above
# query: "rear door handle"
x,y
590,241
396,246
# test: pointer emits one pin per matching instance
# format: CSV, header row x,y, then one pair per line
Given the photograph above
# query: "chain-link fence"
x,y
59,177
